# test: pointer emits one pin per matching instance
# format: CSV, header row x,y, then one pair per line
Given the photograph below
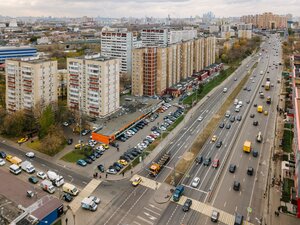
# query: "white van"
x,y
237,108
236,101
259,137
15,169
240,103
70,188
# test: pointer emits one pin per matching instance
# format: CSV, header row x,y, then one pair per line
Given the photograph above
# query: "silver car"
x,y
196,182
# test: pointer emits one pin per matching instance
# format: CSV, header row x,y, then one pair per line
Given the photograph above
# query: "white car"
x,y
65,124
162,128
41,175
200,118
30,154
2,162
95,199
196,182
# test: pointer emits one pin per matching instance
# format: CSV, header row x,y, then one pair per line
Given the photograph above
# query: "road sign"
x,y
249,209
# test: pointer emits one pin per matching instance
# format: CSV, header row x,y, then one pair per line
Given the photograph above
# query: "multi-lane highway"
x,y
134,206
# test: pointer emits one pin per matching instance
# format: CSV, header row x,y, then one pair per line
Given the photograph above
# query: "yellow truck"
x,y
247,146
13,159
155,168
260,109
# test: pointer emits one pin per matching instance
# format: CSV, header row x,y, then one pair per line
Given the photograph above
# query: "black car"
x,y
125,157
199,159
252,115
255,123
207,161
250,171
219,144
92,157
67,197
255,105
239,117
134,153
130,156
228,126
255,153
236,185
101,168
232,168
88,160
186,206
221,125
100,152
232,119
118,165
2,155
69,141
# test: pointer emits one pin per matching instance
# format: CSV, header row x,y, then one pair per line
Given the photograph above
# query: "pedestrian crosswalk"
x,y
85,192
148,215
147,182
207,210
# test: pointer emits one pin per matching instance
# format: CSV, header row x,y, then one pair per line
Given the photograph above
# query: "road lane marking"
x,y
204,192
236,208
225,204
155,207
136,223
152,211
145,220
172,215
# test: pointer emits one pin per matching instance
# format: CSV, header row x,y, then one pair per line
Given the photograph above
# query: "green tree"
x,y
45,121
14,125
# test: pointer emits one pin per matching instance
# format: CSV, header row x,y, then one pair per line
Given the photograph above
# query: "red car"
x,y
216,163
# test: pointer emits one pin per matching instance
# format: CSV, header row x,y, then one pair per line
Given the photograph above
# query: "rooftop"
x,y
32,60
132,108
15,47
95,57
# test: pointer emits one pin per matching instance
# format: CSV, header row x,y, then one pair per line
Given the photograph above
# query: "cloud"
x,y
142,8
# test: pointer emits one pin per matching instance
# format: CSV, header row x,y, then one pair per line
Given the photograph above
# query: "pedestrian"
x,y
118,149
96,174
106,175
131,172
123,174
100,176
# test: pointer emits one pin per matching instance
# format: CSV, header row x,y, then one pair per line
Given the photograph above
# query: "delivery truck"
x,y
48,186
155,168
247,146
56,179
27,166
70,188
89,204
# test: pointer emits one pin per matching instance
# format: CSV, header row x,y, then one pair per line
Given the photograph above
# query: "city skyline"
x,y
142,8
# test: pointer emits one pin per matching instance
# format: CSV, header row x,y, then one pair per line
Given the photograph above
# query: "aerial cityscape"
x,y
150,112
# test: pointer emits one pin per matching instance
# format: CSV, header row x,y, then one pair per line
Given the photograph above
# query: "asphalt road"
x,y
120,208
231,152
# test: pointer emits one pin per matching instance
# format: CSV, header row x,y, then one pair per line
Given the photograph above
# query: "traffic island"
x,y
163,194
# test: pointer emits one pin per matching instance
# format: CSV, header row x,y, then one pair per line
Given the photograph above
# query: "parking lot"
x,y
138,136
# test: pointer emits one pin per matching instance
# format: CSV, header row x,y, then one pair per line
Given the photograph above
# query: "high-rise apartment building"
x,y
149,71
155,69
209,51
93,85
30,83
163,37
266,20
119,42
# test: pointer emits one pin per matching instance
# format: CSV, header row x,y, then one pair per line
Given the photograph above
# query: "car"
x,y
199,159
41,174
265,113
136,181
207,161
118,165
239,118
163,128
219,144
215,216
88,160
232,168
95,199
30,154
196,182
228,126
252,115
236,185
200,118
66,124
248,89
214,138
186,206
255,153
101,168
69,141
255,105
124,157
114,144
33,179
22,140
250,171
123,162
255,123
2,155
8,157
221,125
248,101
81,162
216,163
111,171
77,146
235,79
2,162
154,128
92,157
232,119
67,197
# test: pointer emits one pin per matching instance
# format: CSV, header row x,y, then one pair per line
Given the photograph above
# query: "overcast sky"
x,y
142,8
